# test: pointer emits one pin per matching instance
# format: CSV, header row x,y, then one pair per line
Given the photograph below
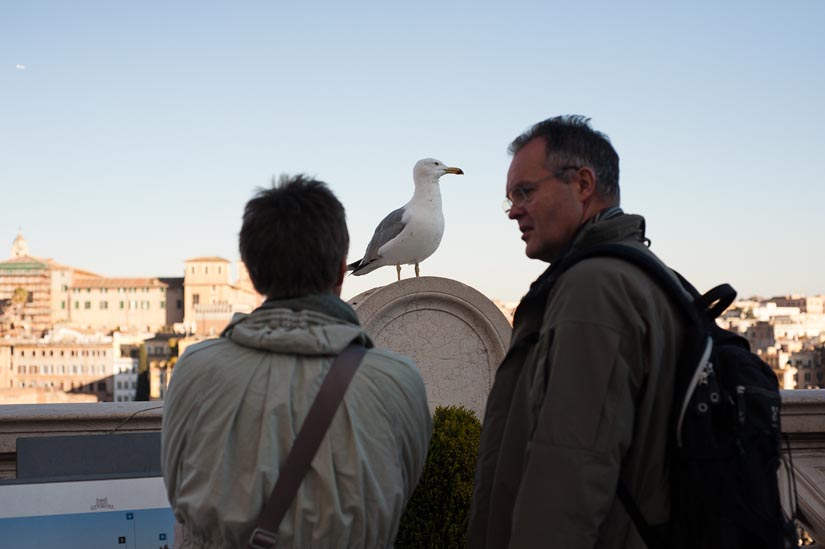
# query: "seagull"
x,y
410,234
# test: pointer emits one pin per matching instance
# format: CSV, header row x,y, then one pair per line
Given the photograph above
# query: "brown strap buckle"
x,y
262,539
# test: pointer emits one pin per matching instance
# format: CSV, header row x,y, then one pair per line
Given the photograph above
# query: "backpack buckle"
x,y
262,539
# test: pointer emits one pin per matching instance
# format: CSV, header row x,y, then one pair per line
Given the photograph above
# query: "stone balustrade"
x,y
32,420
803,422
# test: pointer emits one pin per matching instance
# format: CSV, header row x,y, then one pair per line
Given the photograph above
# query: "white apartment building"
x,y
125,379
800,327
769,310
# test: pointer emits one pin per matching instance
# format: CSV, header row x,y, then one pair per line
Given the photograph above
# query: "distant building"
x,y
507,308
125,304
125,378
210,299
788,333
34,292
106,323
7,378
72,365
40,396
161,356
809,365
19,247
38,294
769,310
174,300
779,361
761,336
805,304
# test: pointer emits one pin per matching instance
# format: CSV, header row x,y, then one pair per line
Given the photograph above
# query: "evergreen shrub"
x,y
437,513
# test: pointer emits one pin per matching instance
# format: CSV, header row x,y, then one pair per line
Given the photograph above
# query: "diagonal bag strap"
x,y
306,445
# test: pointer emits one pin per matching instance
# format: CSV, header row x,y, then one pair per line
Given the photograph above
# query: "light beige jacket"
x,y
236,403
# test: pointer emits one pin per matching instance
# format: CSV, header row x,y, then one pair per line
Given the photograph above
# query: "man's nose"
x,y
515,211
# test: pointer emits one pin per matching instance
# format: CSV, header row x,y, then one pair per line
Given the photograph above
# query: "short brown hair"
x,y
294,238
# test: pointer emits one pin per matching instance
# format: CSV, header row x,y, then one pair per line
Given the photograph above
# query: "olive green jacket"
x,y
236,403
582,399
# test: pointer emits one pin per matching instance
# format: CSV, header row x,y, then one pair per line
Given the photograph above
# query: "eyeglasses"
x,y
523,194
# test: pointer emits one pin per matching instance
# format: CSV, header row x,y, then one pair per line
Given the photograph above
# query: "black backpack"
x,y
725,436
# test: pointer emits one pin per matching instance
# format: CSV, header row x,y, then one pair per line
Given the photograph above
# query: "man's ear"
x,y
586,182
341,275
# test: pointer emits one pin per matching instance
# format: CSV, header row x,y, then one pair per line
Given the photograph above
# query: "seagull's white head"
x,y
430,169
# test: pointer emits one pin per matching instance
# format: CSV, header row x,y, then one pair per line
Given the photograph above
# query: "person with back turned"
x,y
236,403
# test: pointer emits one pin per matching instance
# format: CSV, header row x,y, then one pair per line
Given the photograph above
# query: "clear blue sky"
x,y
137,131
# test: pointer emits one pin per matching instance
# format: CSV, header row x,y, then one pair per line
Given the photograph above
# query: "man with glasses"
x,y
581,403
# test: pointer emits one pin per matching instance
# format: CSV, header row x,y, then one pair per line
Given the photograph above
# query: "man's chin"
x,y
539,254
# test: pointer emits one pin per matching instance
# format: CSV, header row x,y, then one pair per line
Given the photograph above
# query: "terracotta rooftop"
x,y
85,273
117,283
205,259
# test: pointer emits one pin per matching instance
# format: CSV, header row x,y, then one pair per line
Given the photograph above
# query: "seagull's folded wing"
x,y
390,227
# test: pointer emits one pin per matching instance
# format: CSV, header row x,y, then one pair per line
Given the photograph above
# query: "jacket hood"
x,y
311,325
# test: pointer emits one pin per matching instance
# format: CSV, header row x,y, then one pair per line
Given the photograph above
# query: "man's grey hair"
x,y
570,141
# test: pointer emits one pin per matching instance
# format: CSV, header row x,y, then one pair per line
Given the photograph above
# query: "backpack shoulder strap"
x,y
703,308
653,536
306,445
664,277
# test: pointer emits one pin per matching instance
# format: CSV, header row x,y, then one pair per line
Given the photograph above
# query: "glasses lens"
x,y
506,205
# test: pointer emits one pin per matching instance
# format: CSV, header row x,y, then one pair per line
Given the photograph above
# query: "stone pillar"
x,y
455,334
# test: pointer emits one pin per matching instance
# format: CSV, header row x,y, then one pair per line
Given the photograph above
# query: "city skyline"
x,y
348,295
133,135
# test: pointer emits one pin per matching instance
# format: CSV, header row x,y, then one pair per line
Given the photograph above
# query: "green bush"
x,y
437,513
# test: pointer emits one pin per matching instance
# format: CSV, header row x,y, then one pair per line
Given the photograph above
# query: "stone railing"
x,y
31,420
803,421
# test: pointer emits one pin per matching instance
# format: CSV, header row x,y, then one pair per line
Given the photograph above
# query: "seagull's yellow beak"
x,y
457,171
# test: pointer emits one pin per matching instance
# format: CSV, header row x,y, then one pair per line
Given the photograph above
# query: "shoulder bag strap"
x,y
306,445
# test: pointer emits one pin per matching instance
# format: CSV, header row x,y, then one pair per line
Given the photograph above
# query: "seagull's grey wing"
x,y
389,228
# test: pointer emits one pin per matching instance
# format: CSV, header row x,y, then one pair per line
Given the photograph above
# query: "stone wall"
x,y
34,420
803,422
455,334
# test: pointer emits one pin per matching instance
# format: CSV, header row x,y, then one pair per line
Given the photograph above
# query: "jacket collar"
x,y
328,304
609,225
